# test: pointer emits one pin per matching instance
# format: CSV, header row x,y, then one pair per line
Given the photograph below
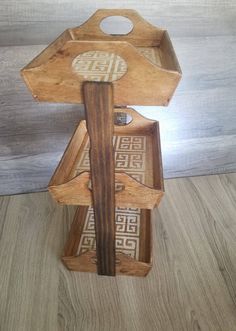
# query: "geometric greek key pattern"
x,y
130,161
107,67
99,66
127,232
130,143
130,156
151,53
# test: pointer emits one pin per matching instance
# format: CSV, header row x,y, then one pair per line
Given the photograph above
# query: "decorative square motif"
x,y
99,66
127,232
84,163
106,66
151,53
130,161
130,156
130,143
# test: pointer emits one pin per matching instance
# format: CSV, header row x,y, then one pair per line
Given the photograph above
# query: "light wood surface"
x,y
55,75
133,242
192,285
144,83
198,133
197,129
138,166
142,33
98,97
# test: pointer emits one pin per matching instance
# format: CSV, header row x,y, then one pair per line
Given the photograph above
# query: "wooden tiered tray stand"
x,y
112,167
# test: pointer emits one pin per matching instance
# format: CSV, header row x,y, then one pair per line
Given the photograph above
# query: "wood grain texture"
x,y
20,23
141,34
133,237
191,287
52,76
197,130
98,97
198,134
139,174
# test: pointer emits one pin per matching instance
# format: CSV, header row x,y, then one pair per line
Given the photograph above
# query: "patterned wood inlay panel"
x,y
130,156
100,66
127,232
151,53
108,67
130,143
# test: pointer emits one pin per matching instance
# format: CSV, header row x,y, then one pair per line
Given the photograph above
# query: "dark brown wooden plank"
x,y
157,157
98,98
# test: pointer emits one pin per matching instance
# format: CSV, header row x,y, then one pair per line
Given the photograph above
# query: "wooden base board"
x,y
133,242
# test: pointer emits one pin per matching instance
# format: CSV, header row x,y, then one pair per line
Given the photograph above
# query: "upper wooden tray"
x,y
147,70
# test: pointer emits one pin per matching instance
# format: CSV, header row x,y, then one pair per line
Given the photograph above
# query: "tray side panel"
x,y
144,82
142,34
168,57
63,171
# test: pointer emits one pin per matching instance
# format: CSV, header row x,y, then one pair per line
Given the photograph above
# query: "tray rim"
x,y
50,77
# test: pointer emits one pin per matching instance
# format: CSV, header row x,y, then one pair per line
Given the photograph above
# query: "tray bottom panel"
x,y
133,155
151,53
133,242
104,66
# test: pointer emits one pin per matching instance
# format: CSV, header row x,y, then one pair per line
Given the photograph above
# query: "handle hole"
x,y
116,25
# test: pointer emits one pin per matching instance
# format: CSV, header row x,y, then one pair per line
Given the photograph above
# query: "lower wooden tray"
x,y
133,242
138,166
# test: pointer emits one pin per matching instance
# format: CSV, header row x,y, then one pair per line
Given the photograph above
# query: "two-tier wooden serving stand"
x,y
112,167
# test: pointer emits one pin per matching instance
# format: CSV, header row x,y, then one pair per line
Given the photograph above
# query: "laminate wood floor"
x,y
192,286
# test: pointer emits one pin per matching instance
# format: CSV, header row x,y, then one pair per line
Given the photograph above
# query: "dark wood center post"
x,y
98,100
